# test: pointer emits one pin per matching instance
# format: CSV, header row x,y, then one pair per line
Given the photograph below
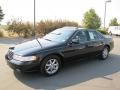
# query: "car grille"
x,y
10,55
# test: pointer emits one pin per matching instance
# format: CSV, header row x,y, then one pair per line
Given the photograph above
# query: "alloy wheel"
x,y
52,66
105,53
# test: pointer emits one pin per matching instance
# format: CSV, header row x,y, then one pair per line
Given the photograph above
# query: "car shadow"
x,y
72,73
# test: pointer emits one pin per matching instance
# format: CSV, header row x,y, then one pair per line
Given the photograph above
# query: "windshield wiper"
x,y
56,33
47,39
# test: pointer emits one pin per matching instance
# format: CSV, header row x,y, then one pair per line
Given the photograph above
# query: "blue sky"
x,y
58,9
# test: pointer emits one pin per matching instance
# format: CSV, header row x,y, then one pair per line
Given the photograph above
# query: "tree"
x,y
113,22
1,14
91,20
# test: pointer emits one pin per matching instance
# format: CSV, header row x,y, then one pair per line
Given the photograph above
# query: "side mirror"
x,y
75,41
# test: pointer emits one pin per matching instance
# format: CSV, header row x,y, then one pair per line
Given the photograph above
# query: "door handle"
x,y
88,45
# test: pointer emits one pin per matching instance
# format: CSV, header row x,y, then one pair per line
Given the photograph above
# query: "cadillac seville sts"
x,y
47,54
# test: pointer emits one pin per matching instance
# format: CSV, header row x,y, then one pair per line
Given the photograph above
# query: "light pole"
x,y
34,16
105,11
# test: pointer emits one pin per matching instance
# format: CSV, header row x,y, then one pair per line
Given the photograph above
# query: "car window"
x,y
100,35
81,36
59,35
94,35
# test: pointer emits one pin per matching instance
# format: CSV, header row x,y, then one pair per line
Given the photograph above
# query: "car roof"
x,y
72,28
77,28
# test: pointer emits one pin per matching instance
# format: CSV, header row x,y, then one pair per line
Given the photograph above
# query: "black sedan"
x,y
47,54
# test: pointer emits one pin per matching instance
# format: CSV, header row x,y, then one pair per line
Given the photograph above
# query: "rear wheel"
x,y
104,53
50,65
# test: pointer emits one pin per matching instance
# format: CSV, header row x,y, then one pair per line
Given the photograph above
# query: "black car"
x,y
47,54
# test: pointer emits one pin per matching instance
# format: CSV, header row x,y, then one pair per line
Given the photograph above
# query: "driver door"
x,y
77,45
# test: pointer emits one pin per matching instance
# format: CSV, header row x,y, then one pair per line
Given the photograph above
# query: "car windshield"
x,y
59,35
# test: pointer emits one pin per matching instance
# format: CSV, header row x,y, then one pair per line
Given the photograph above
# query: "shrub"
x,y
20,28
44,27
1,34
103,31
25,29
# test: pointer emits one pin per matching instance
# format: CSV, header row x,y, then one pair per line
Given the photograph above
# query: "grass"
x,y
1,34
4,33
3,27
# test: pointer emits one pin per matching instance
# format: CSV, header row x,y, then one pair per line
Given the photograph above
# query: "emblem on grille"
x,y
10,55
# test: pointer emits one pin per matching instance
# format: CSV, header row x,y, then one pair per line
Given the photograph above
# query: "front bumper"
x,y
23,66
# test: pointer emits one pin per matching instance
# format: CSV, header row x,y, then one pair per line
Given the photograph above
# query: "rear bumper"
x,y
111,45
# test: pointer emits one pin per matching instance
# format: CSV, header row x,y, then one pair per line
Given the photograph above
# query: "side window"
x,y
94,35
81,36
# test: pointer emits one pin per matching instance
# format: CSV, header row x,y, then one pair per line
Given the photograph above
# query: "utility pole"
x,y
105,12
34,16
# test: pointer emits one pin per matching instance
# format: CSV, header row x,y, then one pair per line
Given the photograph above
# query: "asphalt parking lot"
x,y
81,75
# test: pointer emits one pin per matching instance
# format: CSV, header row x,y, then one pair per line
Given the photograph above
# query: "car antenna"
x,y
35,23
38,41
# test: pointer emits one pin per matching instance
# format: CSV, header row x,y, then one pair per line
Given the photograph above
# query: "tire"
x,y
50,65
104,53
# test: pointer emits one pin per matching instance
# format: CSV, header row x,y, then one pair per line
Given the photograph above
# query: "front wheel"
x,y
104,53
50,65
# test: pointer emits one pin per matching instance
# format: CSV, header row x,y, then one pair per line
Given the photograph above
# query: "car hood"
x,y
32,47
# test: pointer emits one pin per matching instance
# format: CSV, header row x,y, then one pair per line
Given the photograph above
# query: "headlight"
x,y
21,58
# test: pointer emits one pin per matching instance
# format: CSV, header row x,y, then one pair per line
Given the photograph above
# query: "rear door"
x,y
95,43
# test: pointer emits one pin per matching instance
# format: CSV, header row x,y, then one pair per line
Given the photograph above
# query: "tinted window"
x,y
94,35
81,36
101,35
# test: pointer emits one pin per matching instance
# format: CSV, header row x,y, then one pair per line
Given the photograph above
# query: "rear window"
x,y
93,35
